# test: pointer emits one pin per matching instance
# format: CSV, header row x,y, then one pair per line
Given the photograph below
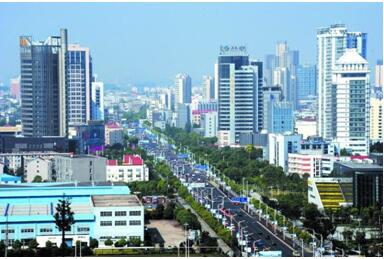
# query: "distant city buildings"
x,y
208,88
280,117
183,86
97,100
14,89
114,134
305,83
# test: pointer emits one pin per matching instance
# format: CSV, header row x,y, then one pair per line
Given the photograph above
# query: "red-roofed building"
x,y
132,169
132,160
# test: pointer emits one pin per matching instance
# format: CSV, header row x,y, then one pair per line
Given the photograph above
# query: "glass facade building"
x,y
305,82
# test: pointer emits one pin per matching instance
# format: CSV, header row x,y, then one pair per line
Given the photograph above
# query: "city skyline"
x,y
123,54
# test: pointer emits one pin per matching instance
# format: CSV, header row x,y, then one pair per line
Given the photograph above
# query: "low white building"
x,y
132,169
209,124
280,145
39,166
313,165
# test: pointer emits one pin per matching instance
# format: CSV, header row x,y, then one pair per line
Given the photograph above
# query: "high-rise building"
x,y
284,71
258,67
43,82
236,87
379,74
208,88
14,90
331,44
376,118
183,87
209,124
305,82
97,102
269,66
270,93
78,85
183,116
350,103
280,116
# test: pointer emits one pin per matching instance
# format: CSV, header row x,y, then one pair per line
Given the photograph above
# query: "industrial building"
x,y
101,211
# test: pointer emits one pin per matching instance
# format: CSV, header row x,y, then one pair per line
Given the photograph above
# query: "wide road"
x,y
255,235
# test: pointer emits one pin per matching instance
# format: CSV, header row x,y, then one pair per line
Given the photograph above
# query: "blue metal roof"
x,y
9,178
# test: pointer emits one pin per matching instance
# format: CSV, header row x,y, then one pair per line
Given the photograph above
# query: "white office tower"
x,y
350,103
183,87
237,95
331,44
78,88
208,88
97,101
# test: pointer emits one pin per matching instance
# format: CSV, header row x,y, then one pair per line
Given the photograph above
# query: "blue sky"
x,y
151,42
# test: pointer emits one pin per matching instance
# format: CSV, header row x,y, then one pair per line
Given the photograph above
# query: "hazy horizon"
x,y
135,43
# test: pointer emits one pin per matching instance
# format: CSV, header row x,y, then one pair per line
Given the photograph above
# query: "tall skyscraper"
x,y
43,106
97,103
305,82
379,74
269,66
350,102
183,87
208,88
237,94
284,71
78,85
331,45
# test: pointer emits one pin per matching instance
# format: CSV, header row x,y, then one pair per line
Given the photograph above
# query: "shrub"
x,y
108,242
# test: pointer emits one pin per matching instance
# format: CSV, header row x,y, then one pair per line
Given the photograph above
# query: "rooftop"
x,y
132,160
115,200
357,166
351,56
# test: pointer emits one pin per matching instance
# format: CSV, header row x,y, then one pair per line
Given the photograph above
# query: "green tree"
x,y
16,244
93,243
120,243
169,211
64,219
48,244
33,244
249,149
108,242
344,152
37,179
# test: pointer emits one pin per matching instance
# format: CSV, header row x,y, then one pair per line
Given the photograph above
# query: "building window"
x,y
27,230
105,223
106,214
9,231
134,237
105,237
120,223
120,213
83,229
135,213
45,230
120,237
134,222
